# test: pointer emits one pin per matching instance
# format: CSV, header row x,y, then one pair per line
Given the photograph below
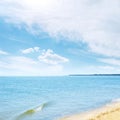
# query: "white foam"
x,y
116,100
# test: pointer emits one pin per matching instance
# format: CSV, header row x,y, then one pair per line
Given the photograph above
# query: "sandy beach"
x,y
108,112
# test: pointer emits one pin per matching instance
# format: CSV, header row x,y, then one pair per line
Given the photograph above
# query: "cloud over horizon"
x,y
46,63
111,61
25,66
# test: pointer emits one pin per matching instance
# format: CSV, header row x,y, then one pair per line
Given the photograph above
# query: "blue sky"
x,y
53,37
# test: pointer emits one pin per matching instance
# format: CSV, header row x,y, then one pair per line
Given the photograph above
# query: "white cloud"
x,y
19,65
52,58
3,52
30,50
37,49
47,63
99,69
111,61
95,22
46,56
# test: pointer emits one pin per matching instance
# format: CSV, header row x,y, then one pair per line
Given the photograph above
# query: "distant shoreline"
x,y
94,74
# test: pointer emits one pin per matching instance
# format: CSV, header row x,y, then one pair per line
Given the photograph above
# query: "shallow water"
x,y
65,95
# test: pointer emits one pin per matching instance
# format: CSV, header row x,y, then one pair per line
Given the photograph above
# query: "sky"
x,y
59,37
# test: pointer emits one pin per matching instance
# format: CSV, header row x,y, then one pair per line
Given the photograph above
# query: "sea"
x,y
55,97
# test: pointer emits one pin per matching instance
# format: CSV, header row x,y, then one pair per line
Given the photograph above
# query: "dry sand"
x,y
107,112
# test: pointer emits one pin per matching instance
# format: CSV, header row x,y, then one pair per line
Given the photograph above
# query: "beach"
x,y
108,112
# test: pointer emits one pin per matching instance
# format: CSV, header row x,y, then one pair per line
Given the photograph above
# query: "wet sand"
x,y
108,112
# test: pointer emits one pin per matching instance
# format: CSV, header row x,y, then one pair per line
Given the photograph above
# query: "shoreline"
x,y
109,111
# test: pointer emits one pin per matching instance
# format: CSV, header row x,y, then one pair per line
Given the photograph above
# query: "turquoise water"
x,y
64,95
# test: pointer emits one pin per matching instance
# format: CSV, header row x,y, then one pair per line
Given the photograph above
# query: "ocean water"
x,y
65,95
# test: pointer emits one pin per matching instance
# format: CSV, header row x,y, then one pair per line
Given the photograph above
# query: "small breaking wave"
x,y
32,111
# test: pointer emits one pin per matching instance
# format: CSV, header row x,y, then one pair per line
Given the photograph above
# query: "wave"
x,y
32,111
